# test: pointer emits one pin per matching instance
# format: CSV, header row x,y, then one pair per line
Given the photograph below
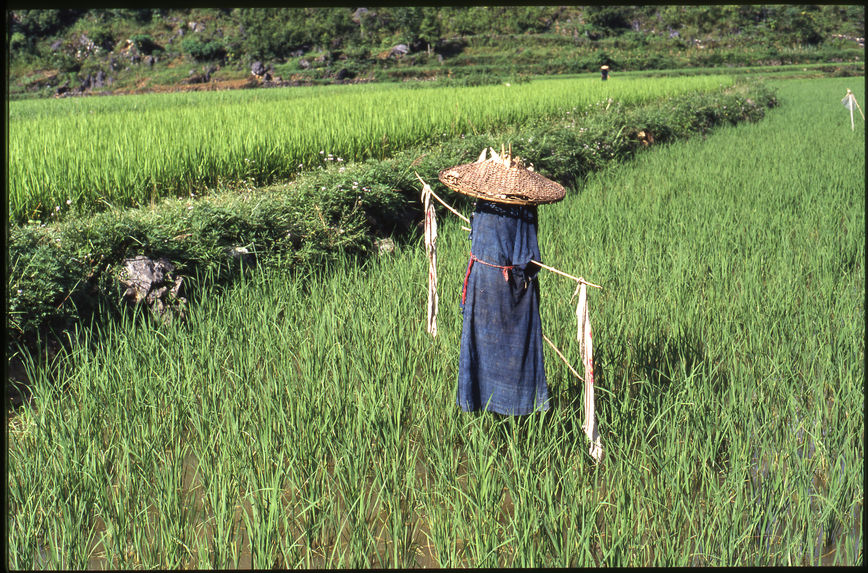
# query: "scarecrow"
x,y
501,365
604,72
501,358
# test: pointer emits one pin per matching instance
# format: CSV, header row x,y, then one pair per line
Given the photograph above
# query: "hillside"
x,y
70,52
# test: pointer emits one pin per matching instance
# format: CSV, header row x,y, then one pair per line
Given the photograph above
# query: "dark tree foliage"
x,y
43,22
278,34
609,19
275,33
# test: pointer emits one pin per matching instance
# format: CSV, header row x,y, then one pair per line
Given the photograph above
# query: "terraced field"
x,y
306,419
134,150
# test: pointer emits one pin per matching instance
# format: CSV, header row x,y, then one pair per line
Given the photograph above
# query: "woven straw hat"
x,y
503,179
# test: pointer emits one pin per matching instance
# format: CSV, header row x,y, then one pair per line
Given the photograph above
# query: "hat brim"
x,y
492,181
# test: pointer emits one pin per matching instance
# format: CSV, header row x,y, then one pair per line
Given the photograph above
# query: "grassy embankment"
x,y
85,154
61,269
304,420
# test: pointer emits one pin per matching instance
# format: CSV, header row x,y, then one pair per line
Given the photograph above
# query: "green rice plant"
x,y
321,420
84,154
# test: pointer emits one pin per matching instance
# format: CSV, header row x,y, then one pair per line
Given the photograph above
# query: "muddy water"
x,y
822,549
824,545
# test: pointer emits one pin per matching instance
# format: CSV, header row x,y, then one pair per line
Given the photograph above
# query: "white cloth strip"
x,y
585,339
431,251
848,102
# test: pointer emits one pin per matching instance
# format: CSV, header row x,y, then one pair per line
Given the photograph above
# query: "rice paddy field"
x,y
88,153
308,419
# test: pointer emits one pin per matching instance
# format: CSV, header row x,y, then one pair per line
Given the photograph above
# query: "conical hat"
x,y
503,179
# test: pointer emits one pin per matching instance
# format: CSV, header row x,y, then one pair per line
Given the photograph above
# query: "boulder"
x,y
257,69
242,255
150,281
399,50
357,15
385,246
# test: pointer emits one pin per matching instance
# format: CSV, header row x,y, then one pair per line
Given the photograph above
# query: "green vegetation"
x,y
136,150
306,419
60,271
62,51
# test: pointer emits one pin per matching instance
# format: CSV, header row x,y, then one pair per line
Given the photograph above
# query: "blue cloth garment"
x,y
500,365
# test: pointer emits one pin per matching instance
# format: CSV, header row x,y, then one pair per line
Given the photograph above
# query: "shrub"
x,y
146,44
203,51
41,279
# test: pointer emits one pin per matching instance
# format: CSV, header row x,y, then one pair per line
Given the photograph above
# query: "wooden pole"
x,y
444,203
554,270
857,106
562,357
852,100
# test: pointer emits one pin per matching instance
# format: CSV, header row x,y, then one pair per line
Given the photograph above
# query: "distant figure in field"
x,y
604,71
500,365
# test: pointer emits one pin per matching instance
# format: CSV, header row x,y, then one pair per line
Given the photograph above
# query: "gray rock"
x,y
357,15
149,281
242,255
257,69
400,50
142,275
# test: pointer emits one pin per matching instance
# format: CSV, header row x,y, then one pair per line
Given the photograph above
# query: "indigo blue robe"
x,y
500,364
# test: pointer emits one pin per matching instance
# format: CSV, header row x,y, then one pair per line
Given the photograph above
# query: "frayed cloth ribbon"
x,y
431,251
586,349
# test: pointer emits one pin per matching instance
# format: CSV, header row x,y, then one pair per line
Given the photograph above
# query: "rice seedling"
x,y
84,154
320,421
